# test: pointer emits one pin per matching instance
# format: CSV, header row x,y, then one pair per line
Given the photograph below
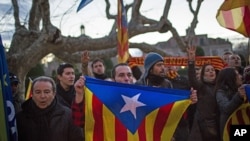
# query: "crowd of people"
x,y
56,109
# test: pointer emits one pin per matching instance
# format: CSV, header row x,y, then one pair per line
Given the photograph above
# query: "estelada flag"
x,y
126,112
235,15
28,91
122,34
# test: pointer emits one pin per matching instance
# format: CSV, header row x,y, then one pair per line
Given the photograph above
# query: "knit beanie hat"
x,y
150,59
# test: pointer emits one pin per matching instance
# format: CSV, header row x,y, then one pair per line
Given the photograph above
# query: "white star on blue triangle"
x,y
131,103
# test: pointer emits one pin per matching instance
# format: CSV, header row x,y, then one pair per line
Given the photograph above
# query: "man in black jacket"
x,y
65,91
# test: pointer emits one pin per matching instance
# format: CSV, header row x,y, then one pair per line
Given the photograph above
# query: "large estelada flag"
x,y
241,116
8,130
235,15
122,34
127,112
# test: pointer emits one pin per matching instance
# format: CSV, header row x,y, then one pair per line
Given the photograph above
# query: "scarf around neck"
x,y
100,76
155,80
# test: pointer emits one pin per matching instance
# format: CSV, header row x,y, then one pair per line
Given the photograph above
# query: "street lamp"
x,y
82,28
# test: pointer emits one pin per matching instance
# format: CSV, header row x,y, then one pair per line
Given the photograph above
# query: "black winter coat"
x,y
51,124
205,125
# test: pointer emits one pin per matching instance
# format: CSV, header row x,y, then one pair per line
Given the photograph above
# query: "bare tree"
x,y
30,45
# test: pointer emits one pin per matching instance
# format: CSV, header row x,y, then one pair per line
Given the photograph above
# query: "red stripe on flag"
x,y
246,19
160,121
98,134
120,131
141,131
239,117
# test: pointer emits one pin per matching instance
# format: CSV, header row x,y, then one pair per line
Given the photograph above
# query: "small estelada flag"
x,y
28,92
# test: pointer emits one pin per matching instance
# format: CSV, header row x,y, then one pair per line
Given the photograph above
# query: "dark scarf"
x,y
67,96
155,80
41,118
100,76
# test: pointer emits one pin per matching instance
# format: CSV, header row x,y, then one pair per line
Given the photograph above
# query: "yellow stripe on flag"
x,y
133,137
176,114
150,123
109,124
89,122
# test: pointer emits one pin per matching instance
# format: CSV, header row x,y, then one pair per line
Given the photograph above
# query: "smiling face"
x,y
43,94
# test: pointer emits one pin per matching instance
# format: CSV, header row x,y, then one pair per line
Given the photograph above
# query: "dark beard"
x,y
155,80
100,76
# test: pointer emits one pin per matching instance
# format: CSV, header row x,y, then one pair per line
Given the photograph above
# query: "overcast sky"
x,y
96,25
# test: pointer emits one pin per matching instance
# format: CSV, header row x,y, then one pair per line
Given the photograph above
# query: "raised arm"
x,y
191,53
85,61
191,67
79,85
78,104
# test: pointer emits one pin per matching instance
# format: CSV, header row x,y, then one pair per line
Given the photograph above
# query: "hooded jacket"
x,y
151,59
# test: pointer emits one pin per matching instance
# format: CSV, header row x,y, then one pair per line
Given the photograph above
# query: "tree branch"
x,y
35,16
16,14
45,12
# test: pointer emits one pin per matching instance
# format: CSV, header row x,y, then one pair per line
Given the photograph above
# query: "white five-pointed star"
x,y
131,103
